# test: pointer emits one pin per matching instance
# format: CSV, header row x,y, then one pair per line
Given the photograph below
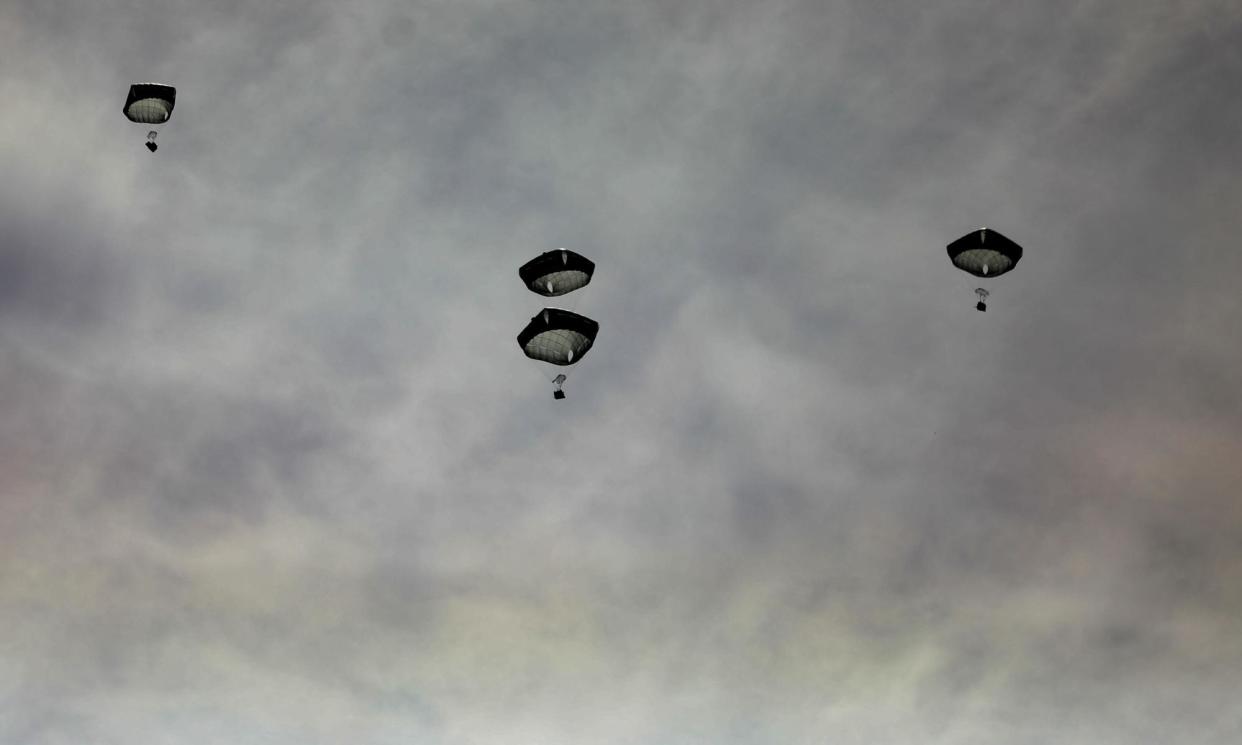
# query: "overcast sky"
x,y
274,470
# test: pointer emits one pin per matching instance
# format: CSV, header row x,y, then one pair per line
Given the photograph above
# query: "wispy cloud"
x,y
272,468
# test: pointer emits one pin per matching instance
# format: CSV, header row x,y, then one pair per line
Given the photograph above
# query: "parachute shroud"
x,y
558,336
556,273
984,253
150,103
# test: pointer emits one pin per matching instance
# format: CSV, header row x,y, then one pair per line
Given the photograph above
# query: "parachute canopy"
x,y
557,272
150,103
558,336
984,253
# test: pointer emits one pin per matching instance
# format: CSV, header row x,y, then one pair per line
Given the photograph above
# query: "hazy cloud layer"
x,y
273,470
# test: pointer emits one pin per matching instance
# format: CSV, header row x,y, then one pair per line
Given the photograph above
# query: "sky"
x,y
274,470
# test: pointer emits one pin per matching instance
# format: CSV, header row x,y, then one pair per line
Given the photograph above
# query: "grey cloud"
x,y
285,476
55,272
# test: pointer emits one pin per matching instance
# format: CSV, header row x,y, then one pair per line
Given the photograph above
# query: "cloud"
x,y
273,469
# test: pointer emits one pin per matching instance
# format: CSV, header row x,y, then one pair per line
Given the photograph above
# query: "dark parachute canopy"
x,y
558,336
557,272
150,103
984,253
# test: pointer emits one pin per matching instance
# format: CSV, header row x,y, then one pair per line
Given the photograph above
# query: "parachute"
x,y
557,273
984,253
150,103
558,336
